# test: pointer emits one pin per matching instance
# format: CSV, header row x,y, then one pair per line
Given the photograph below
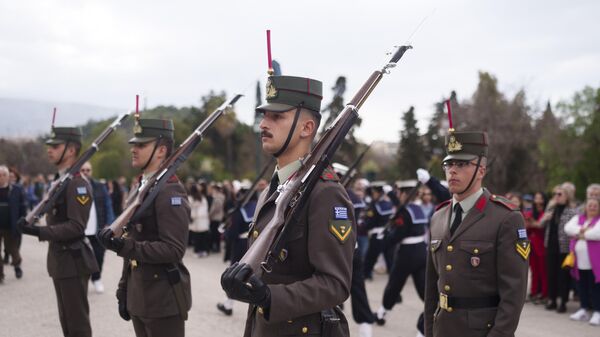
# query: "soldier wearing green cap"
x,y
154,291
477,261
315,276
70,258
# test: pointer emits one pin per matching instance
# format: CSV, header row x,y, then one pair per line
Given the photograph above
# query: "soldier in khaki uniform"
x,y
477,262
70,257
316,275
154,290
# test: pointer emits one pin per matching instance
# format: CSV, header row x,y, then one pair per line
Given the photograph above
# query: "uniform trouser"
x,y
172,326
361,311
376,247
409,260
12,248
559,279
99,254
238,249
73,308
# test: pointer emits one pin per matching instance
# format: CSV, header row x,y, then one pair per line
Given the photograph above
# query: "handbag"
x,y
569,261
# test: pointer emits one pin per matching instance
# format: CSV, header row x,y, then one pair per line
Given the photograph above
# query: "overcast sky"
x,y
172,52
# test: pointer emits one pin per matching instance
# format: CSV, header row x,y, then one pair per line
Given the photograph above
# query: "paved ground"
x,y
28,308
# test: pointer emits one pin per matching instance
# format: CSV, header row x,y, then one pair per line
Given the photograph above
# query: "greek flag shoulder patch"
x,y
340,213
175,201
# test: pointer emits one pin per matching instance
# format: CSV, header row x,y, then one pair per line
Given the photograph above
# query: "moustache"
x,y
266,134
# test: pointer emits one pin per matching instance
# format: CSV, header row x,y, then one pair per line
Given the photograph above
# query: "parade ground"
x,y
28,306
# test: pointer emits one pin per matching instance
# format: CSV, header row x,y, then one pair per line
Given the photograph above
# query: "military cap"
x,y
288,92
466,145
340,168
146,130
62,134
405,184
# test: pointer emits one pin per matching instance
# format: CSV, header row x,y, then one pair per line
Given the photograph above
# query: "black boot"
x,y
224,310
551,305
18,272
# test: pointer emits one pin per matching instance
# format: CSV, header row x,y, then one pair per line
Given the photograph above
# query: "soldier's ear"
x,y
308,125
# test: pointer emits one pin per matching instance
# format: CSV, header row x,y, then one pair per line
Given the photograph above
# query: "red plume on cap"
x,y
270,71
449,107
53,116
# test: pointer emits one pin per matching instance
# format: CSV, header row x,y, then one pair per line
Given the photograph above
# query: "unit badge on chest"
x,y
475,261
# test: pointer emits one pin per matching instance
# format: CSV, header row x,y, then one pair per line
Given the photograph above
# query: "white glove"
x,y
423,176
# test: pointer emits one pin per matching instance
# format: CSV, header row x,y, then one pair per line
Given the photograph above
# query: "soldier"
x,y
298,296
477,262
70,258
154,290
376,217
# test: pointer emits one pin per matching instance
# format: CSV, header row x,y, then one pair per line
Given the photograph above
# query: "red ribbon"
x,y
449,113
270,61
137,104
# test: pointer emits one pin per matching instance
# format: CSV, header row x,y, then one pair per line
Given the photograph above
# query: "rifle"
x,y
59,185
145,194
352,170
293,194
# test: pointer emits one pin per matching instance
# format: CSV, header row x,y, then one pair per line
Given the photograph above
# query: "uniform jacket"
x,y
480,260
157,242
410,223
316,275
68,254
378,213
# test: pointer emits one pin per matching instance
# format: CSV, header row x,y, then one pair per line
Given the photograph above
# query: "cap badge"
x,y
454,145
271,90
52,134
137,128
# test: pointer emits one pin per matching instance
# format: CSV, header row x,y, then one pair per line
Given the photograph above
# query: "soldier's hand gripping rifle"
x,y
59,185
347,178
145,194
293,194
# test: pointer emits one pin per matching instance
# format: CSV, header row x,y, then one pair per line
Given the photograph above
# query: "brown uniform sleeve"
x,y
511,275
431,292
78,212
331,258
172,215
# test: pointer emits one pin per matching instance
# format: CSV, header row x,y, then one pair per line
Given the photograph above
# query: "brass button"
x,y
255,234
447,287
448,267
304,330
450,248
489,325
449,309
290,321
260,310
155,275
476,251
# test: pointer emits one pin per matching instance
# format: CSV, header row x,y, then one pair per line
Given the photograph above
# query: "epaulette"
x,y
329,174
173,179
443,204
504,202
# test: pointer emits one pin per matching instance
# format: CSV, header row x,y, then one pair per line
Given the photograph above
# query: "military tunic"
x,y
153,246
316,275
477,277
376,218
70,260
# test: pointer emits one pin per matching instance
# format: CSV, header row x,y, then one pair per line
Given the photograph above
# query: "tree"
x,y
411,152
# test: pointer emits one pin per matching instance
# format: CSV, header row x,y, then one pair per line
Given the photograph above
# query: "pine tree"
x,y
411,152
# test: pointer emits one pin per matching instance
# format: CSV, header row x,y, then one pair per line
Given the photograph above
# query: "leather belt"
x,y
449,303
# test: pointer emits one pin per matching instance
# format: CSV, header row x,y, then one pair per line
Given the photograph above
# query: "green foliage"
x,y
411,151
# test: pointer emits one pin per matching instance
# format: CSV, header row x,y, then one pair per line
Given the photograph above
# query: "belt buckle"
x,y
133,263
443,301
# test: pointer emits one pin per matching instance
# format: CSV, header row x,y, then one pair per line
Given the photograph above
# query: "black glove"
x,y
241,284
123,310
25,228
106,238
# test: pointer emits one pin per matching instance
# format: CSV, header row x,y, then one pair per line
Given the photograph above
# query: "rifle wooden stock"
x,y
145,193
293,194
59,185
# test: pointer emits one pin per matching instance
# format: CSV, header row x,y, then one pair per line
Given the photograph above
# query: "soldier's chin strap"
x,y
474,175
62,156
153,151
291,133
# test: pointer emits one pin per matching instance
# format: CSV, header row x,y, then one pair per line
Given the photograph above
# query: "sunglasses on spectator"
x,y
557,193
86,170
